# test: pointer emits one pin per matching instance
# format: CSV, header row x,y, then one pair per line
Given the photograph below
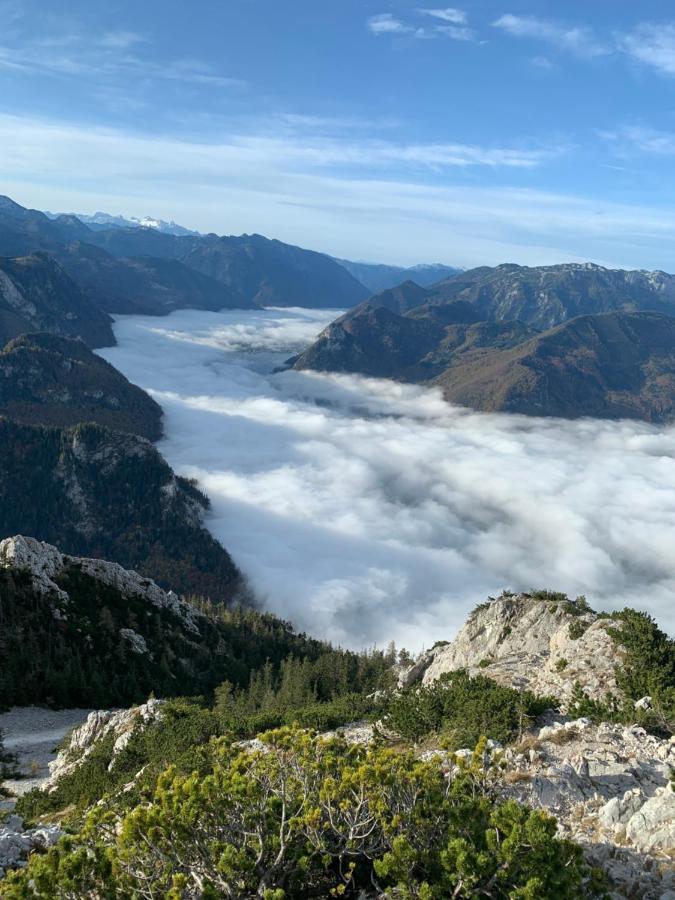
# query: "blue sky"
x,y
482,133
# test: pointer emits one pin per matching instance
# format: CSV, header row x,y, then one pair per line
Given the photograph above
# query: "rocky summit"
x,y
543,645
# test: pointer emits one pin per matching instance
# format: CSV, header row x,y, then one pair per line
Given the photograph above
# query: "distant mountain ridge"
x,y
484,338
146,269
106,220
378,277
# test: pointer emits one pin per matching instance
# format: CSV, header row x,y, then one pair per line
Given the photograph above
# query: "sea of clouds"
x,y
366,510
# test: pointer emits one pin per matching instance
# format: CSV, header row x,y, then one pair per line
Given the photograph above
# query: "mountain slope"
x,y
145,285
96,492
617,365
541,296
80,631
50,380
271,273
254,269
608,366
37,295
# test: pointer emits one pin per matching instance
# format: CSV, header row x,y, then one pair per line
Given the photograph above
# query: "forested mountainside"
x,y
148,270
50,380
452,774
254,269
102,493
36,294
608,366
85,632
377,277
144,285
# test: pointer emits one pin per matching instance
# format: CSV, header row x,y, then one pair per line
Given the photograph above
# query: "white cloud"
x,y
653,45
386,23
449,14
103,59
121,39
362,199
367,510
542,62
455,32
578,40
641,138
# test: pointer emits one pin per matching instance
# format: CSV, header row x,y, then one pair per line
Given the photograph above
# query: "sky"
x,y
478,134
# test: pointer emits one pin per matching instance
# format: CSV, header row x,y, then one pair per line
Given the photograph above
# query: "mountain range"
x,y
147,270
567,340
106,220
378,277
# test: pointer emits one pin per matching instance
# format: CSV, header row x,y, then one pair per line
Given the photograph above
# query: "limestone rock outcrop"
x,y
17,842
45,563
545,645
99,724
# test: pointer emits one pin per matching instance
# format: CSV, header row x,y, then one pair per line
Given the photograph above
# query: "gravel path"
x,y
33,734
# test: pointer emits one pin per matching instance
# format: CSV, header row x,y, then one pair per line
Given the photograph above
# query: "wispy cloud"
x,y
542,62
386,23
642,138
576,39
449,14
102,58
121,40
453,27
376,200
651,44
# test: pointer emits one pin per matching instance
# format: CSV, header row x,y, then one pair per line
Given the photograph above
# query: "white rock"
x,y
525,639
653,825
45,563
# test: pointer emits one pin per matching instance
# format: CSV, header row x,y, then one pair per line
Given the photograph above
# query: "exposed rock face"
x,y
100,724
86,632
17,843
46,379
36,294
524,642
46,563
609,787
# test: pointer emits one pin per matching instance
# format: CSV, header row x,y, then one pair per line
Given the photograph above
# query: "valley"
x,y
367,510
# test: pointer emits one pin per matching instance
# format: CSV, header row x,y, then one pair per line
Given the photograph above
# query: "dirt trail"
x,y
33,734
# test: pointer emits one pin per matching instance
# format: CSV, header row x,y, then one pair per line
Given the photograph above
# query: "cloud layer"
x,y
366,510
